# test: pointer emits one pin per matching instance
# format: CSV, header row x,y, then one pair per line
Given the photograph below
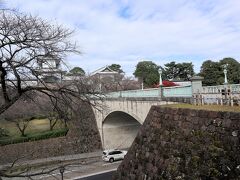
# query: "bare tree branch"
x,y
26,41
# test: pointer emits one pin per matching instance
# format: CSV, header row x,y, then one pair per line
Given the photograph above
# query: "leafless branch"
x,y
26,41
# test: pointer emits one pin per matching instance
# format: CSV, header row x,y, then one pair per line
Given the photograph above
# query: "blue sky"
x,y
126,31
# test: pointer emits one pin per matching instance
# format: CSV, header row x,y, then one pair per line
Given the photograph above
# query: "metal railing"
x,y
234,88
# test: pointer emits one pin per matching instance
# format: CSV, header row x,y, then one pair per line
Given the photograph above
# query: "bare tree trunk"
x,y
52,123
65,124
22,128
3,82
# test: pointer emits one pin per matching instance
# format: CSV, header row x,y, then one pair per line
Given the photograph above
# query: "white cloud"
x,y
125,31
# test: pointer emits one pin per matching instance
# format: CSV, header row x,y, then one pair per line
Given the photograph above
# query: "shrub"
x,y
3,132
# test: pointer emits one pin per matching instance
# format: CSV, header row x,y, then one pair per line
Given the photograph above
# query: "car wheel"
x,y
111,160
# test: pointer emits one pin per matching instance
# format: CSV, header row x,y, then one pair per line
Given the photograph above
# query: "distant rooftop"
x,y
103,70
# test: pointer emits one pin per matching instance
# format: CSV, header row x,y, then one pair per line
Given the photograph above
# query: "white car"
x,y
113,155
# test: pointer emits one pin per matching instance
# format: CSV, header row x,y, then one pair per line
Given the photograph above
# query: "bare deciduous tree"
x,y
22,125
56,109
128,83
26,41
21,113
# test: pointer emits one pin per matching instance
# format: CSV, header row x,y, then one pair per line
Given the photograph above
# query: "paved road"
x,y
103,176
83,171
80,171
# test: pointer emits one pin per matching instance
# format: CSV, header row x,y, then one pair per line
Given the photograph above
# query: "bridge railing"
x,y
153,92
234,88
177,91
222,94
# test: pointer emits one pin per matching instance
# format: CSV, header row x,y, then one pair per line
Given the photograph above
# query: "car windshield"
x,y
104,153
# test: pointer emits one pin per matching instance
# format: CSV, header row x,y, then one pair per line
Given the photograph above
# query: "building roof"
x,y
103,70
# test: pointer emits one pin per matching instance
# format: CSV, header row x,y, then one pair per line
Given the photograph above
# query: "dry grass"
x,y
206,107
34,126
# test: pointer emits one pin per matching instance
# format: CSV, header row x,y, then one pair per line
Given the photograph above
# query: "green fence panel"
x,y
154,92
177,91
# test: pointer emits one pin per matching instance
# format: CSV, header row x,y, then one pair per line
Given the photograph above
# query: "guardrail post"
x,y
196,83
161,91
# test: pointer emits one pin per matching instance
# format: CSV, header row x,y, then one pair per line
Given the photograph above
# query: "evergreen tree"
x,y
147,72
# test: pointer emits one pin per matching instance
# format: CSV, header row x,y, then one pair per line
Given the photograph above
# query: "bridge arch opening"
x,y
119,130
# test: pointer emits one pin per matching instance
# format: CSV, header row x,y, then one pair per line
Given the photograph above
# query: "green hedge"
x,y
3,132
34,137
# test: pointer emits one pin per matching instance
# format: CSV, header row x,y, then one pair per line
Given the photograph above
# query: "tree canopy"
x,y
233,70
77,71
147,72
175,70
213,71
210,70
116,67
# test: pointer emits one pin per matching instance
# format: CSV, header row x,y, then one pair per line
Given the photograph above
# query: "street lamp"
x,y
225,73
160,77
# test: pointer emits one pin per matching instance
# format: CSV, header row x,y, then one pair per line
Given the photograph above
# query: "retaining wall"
x,y
83,136
184,144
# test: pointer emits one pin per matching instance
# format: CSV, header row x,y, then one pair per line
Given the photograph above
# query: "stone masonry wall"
x,y
184,144
83,136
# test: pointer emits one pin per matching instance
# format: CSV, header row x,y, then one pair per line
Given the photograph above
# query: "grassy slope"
x,y
35,126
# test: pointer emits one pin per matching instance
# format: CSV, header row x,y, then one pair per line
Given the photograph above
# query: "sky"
x,y
128,31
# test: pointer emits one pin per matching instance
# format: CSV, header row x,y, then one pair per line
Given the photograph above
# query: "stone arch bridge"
x,y
118,119
122,113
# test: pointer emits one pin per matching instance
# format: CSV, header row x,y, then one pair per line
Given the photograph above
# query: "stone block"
x,y
202,114
235,116
183,136
226,123
212,114
193,113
